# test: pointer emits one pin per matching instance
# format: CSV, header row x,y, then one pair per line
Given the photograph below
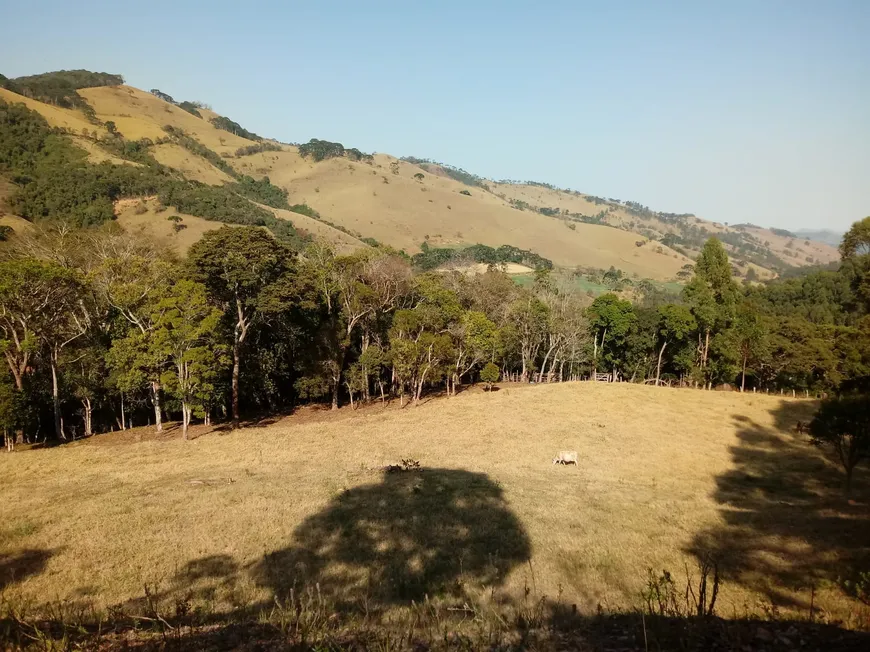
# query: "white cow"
x,y
566,457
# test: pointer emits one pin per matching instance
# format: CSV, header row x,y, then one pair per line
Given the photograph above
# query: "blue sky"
x,y
738,111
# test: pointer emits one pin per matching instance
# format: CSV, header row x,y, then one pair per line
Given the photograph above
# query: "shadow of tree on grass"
x,y
413,534
788,525
19,565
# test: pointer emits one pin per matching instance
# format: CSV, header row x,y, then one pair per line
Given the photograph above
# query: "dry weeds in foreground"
x,y
231,520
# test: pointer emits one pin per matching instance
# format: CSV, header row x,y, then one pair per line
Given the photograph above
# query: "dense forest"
x,y
101,330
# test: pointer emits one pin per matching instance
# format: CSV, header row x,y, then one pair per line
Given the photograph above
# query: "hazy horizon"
x,y
737,114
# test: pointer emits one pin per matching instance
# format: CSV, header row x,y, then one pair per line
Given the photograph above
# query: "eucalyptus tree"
x,y
187,336
41,313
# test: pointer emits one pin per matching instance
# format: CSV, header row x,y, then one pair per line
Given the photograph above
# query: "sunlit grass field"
x,y
235,519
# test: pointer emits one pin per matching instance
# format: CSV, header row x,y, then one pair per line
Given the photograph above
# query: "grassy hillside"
x,y
403,204
147,215
139,114
189,164
741,241
305,500
404,211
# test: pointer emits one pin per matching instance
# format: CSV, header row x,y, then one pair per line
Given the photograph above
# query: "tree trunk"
x,y
659,366
158,413
55,397
86,404
544,364
366,342
706,349
17,374
350,393
381,386
595,357
743,375
335,389
185,419
237,358
123,415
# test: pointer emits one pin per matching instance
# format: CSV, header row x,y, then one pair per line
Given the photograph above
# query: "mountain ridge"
x,y
407,202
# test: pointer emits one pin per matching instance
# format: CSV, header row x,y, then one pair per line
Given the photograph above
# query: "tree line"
x,y
103,330
321,150
432,257
60,87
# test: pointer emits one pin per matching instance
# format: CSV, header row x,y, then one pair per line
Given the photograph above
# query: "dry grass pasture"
x,y
56,116
618,216
156,224
402,211
233,519
138,114
190,165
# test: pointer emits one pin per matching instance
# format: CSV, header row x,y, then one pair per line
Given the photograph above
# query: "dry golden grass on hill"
x,y
546,197
342,242
783,246
235,519
97,154
191,166
138,114
55,116
157,225
401,211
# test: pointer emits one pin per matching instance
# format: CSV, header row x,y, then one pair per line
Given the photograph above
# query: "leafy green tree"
x,y
527,321
354,289
489,375
641,344
844,425
676,323
856,242
86,376
9,408
855,250
132,283
610,319
40,312
186,335
237,265
750,335
421,347
474,340
712,296
799,355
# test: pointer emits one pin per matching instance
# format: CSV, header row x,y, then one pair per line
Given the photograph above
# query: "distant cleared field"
x,y
235,519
